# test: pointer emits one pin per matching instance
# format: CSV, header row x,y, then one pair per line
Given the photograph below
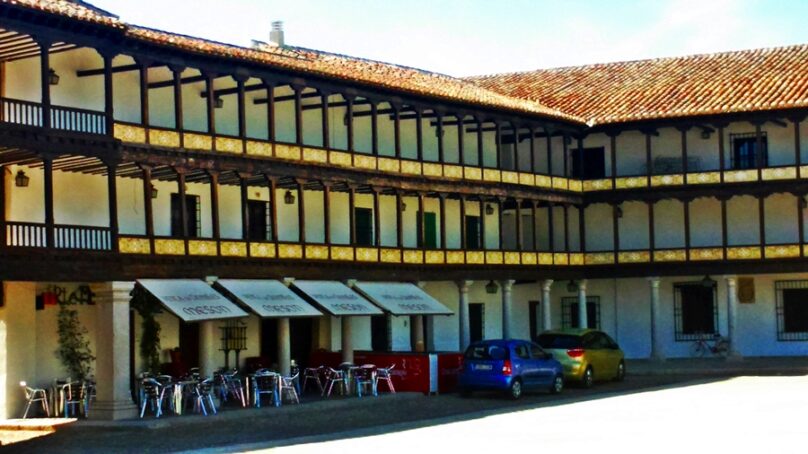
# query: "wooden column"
x,y
683,131
270,114
613,147
520,243
245,212
648,163
535,207
352,213
273,206
377,219
582,227
325,119
143,72
500,204
498,147
565,139
298,114
549,133
374,128
210,104
461,149
439,134
581,157
762,224
651,229
797,147
442,201
721,159
759,150
44,80
419,134
183,202
178,117
349,129
399,219
327,213
480,154
109,115
616,210
112,200
463,232
482,223
420,218
532,132
566,228
724,231
550,229
242,109
213,177
686,204
397,129
148,206
301,210
800,221
49,216
514,152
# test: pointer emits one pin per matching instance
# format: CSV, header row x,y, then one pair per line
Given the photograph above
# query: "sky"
x,y
472,37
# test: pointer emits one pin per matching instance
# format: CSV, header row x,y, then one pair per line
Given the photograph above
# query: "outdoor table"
x,y
57,396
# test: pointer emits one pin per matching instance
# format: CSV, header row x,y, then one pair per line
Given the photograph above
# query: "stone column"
x,y
463,314
507,307
656,344
732,317
284,340
209,342
113,394
582,315
347,340
547,321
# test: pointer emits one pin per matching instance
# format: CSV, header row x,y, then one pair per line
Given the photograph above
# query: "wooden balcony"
x,y
72,119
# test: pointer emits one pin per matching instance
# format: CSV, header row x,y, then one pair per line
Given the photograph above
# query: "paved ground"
x,y
323,420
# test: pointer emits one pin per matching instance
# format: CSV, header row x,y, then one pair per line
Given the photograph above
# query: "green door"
x,y
430,230
364,226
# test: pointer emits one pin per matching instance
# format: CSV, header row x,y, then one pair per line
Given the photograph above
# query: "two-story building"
x,y
658,200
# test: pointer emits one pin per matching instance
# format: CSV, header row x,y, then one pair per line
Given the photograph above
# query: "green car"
x,y
587,355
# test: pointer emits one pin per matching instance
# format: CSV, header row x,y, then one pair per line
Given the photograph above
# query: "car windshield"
x,y
486,351
559,341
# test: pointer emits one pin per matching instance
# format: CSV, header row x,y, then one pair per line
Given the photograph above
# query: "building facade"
x,y
660,201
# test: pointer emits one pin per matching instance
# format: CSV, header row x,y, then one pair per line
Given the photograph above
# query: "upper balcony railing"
x,y
65,118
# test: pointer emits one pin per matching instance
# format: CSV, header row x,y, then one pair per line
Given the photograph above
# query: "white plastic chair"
x,y
35,395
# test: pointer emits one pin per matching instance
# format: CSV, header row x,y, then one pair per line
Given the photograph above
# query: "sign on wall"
x,y
746,290
191,300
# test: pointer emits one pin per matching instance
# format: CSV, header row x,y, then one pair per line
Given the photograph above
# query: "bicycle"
x,y
719,347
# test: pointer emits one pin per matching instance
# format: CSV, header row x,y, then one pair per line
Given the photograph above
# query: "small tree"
x,y
74,347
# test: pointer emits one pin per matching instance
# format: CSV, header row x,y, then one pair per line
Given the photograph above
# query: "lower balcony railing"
x,y
30,234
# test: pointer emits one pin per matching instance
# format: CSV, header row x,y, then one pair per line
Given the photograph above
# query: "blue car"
x,y
512,366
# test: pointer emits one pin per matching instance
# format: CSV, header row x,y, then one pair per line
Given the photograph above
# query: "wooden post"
x,y
532,131
245,212
613,147
349,113
210,105
270,116
535,206
439,133
374,128
44,73
178,117
582,227
616,229
242,110
148,206
419,134
301,210
49,217
797,147
461,149
112,199
498,149
442,201
480,154
549,133
550,229
109,116
565,149
686,203
651,229
397,129
377,222
143,70
482,223
325,125
721,159
420,230
183,202
520,244
566,228
762,224
352,213
399,219
500,201
3,219
759,150
648,162
273,206
724,231
800,222
298,114
683,131
463,232
214,204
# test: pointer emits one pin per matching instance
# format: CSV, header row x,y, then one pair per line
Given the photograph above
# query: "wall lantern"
x,y
489,210
707,282
53,78
153,192
403,206
572,286
21,180
491,287
289,198
218,102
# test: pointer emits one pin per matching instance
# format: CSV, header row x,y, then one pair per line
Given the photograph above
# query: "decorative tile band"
x,y
134,245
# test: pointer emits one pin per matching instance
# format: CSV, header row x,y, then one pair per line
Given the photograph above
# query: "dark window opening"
x,y
570,311
473,240
379,333
364,226
594,164
744,151
476,322
695,311
193,210
259,222
792,310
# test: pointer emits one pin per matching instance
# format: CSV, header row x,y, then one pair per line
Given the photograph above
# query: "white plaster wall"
x,y
125,91
669,227
22,79
705,151
803,141
633,226
599,227
743,227
18,345
705,222
781,219
631,153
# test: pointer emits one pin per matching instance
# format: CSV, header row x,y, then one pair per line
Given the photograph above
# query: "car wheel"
x,y
589,378
515,391
621,371
558,384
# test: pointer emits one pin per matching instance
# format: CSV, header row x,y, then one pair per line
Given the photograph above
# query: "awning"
x,y
336,298
191,300
401,298
267,298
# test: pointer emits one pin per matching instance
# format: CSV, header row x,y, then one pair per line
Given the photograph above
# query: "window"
x,y
193,210
259,222
472,232
521,351
536,352
694,310
380,333
594,165
364,226
569,312
792,310
744,150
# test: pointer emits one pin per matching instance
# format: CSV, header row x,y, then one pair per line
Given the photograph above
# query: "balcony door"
x,y
258,214
192,210
364,226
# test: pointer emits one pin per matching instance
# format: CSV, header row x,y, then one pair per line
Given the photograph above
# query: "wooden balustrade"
x,y
65,118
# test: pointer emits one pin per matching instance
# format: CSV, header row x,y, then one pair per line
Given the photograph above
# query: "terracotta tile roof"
x,y
72,9
387,75
741,81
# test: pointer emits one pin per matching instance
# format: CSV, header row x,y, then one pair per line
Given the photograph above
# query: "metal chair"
x,y
266,383
383,375
334,376
313,373
75,395
288,387
167,382
152,392
365,378
35,395
203,395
